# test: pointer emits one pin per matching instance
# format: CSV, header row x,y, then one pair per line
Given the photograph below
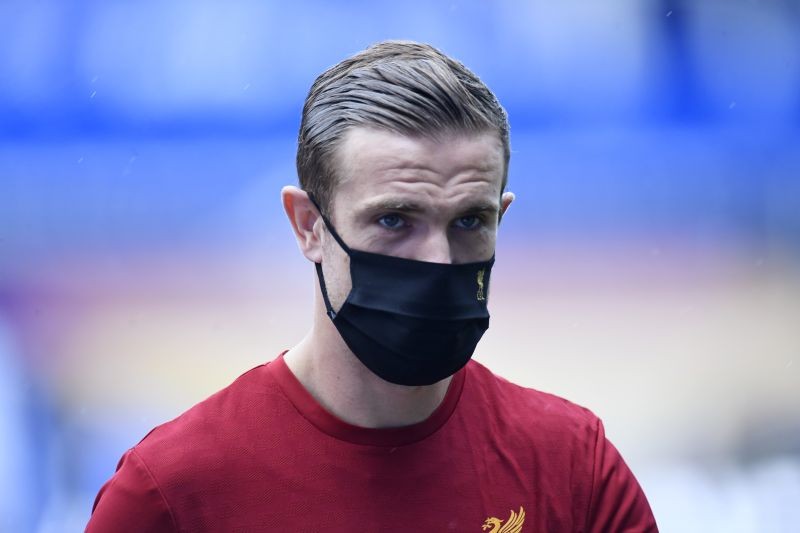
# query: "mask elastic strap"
x,y
321,278
328,224
318,266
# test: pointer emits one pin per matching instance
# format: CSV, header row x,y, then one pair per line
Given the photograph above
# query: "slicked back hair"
x,y
398,86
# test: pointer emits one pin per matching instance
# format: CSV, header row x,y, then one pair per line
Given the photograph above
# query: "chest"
x,y
455,482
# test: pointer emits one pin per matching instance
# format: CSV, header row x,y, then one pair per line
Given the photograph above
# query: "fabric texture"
x,y
263,455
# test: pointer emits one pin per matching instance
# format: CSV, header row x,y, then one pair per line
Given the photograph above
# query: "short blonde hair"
x,y
401,86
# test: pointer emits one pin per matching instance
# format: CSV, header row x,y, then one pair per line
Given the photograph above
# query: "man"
x,y
378,420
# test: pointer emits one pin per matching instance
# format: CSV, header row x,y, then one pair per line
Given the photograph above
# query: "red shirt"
x,y
263,455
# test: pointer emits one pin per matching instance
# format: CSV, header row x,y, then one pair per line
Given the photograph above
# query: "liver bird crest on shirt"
x,y
512,525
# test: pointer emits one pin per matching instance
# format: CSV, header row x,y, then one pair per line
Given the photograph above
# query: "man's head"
x,y
406,153
401,87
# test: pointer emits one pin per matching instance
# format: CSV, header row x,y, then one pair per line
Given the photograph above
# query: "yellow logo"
x,y
512,525
481,293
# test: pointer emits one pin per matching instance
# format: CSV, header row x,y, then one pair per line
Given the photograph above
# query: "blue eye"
x,y
391,221
468,222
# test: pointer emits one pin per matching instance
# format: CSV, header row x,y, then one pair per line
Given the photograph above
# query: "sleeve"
x,y
131,501
617,502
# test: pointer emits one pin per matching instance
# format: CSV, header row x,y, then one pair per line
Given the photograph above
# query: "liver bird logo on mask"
x,y
481,293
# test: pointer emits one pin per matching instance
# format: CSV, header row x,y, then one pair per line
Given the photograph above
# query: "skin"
x,y
436,200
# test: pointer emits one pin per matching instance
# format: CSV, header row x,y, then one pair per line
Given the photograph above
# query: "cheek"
x,y
472,248
336,269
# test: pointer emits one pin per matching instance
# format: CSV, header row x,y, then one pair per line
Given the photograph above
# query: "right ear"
x,y
303,217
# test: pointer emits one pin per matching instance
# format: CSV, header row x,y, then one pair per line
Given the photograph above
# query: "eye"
x,y
468,222
391,221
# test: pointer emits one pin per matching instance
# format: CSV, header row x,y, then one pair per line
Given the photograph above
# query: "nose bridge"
x,y
436,247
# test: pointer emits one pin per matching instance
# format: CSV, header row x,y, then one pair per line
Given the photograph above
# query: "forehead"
x,y
372,162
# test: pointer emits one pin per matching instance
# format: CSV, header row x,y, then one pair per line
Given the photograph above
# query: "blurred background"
x,y
649,269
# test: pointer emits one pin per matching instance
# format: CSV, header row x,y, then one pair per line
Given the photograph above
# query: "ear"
x,y
303,217
505,200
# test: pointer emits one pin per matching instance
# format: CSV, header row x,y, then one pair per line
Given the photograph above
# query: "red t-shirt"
x,y
263,455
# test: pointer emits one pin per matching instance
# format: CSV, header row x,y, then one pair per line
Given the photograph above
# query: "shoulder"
x,y
222,411
564,442
214,436
529,409
196,459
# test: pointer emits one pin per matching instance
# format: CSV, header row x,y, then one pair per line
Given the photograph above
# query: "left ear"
x,y
505,200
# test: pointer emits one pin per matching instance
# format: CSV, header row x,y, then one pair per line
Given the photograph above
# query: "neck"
x,y
330,372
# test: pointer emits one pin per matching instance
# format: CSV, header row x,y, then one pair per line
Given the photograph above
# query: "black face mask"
x,y
410,322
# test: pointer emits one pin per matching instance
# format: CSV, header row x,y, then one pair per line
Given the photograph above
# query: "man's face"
x,y
416,198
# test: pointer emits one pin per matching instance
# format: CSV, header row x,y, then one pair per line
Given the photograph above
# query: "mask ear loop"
x,y
321,278
318,266
328,224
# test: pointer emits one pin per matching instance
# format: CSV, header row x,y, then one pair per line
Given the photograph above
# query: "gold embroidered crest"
x,y
512,525
481,293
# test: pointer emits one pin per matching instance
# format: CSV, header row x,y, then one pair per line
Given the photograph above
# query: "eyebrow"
x,y
411,207
392,205
483,208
